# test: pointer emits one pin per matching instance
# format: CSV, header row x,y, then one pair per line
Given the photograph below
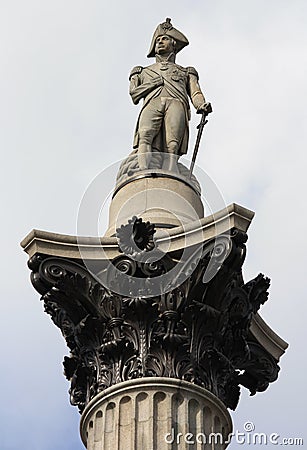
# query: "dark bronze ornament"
x,y
136,237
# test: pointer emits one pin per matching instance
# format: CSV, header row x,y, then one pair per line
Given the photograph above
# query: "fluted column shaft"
x,y
155,414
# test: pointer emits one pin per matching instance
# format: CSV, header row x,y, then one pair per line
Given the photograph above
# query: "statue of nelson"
x,y
166,88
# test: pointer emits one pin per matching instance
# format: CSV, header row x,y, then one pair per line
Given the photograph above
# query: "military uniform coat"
x,y
178,82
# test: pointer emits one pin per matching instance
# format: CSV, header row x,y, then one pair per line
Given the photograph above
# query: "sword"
x,y
200,128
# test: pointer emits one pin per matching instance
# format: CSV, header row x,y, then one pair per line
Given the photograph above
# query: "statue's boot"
x,y
171,158
144,156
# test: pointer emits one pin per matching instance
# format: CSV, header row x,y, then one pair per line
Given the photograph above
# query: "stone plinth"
x,y
155,414
163,199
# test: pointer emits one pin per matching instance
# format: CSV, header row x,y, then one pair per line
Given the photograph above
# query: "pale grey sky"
x,y
66,116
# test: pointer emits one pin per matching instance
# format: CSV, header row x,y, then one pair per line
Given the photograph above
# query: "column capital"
x,y
197,328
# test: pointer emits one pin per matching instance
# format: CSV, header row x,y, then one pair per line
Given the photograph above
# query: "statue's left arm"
x,y
194,91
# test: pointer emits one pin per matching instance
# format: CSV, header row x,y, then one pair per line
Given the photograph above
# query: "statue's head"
x,y
166,38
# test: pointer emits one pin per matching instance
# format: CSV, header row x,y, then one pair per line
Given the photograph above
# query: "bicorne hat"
x,y
168,29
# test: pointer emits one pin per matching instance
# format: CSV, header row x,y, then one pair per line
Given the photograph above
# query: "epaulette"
x,y
192,71
135,70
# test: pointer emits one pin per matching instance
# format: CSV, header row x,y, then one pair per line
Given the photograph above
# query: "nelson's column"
x,y
161,327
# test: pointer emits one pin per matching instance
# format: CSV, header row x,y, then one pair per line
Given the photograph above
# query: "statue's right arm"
x,y
139,89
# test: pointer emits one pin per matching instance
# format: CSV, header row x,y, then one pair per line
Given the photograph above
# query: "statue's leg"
x,y
149,126
144,155
175,123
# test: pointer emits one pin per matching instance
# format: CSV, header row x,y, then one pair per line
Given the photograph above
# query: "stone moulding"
x,y
266,337
67,246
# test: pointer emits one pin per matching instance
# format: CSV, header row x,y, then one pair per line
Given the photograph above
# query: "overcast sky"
x,y
66,115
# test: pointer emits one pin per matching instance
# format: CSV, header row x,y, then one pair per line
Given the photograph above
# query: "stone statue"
x,y
166,88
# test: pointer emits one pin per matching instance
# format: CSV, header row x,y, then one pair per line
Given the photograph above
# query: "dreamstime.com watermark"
x,y
247,437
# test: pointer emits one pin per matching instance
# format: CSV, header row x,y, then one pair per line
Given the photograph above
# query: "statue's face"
x,y
164,45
